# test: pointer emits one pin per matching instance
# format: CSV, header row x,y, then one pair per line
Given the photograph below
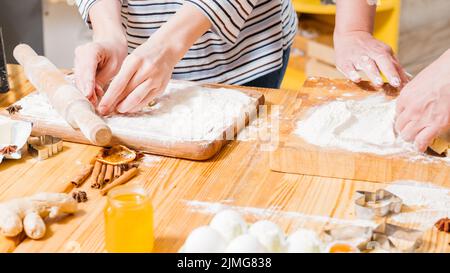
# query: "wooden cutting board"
x,y
294,155
194,150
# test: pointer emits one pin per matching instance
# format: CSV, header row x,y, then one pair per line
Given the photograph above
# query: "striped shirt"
x,y
246,40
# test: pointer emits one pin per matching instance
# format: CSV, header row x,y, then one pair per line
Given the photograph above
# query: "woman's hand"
x,y
356,48
146,72
360,51
96,63
144,75
423,107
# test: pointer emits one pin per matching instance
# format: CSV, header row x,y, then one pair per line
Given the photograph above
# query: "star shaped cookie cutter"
x,y
369,205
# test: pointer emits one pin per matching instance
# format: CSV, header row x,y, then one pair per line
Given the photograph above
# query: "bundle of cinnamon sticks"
x,y
105,176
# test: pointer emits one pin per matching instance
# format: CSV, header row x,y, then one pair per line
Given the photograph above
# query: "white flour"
x,y
355,125
365,126
424,204
273,212
428,203
150,160
185,112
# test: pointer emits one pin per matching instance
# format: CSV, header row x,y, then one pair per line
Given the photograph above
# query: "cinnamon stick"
x,y
101,176
125,177
109,173
117,171
96,171
78,180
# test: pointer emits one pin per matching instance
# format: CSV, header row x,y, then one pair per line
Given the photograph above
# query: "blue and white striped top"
x,y
246,41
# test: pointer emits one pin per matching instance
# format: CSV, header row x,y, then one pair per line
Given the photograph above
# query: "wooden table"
x,y
238,176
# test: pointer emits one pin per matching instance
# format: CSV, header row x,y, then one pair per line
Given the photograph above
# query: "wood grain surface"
x,y
237,176
294,155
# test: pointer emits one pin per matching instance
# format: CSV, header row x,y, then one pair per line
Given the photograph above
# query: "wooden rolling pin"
x,y
67,100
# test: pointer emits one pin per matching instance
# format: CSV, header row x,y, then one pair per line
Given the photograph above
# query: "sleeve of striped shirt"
x,y
227,17
84,6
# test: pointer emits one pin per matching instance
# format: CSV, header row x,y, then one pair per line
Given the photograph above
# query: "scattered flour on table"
x,y
429,202
424,203
264,213
357,125
185,112
150,160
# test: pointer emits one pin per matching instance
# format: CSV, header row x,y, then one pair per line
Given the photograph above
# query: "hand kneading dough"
x,y
245,244
269,235
229,224
204,240
303,241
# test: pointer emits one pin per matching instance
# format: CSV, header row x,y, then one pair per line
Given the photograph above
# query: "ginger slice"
x,y
117,155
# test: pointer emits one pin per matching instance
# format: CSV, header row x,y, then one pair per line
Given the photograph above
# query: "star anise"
x,y
14,109
443,225
7,150
80,196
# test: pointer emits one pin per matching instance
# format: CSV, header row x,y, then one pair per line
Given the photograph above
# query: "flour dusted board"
x,y
294,155
189,121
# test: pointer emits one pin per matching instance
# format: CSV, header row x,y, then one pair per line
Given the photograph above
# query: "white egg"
x,y
229,224
245,244
204,240
303,241
269,235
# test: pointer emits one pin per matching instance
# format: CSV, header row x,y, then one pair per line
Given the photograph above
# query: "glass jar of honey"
x,y
128,220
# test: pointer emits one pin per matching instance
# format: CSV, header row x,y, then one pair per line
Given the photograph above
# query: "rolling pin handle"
x,y
23,52
92,126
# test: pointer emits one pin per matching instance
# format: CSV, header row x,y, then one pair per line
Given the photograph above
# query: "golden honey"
x,y
128,220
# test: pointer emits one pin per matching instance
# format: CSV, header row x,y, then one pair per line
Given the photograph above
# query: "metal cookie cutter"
x,y
380,203
393,238
43,147
383,238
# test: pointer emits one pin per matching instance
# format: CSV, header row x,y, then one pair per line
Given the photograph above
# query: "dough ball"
x,y
204,240
303,241
269,235
245,244
229,224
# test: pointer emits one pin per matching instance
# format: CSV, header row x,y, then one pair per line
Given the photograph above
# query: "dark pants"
x,y
273,79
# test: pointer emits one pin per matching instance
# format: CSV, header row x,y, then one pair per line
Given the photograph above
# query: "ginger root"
x,y
28,213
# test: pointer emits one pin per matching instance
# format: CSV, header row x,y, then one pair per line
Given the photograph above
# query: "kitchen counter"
x,y
186,193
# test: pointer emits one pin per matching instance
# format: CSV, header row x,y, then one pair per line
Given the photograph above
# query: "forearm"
x,y
178,34
354,15
106,20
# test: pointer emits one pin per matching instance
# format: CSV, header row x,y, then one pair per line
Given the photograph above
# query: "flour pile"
x,y
427,202
357,125
185,112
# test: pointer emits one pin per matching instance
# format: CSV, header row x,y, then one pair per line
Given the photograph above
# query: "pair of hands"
x,y
423,107
135,79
